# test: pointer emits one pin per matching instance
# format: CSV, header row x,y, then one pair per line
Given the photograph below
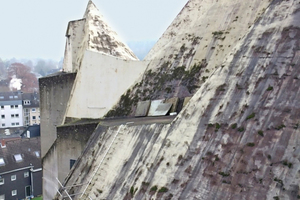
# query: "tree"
x,y
23,72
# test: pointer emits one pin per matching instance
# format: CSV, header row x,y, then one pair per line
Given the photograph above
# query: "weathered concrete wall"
x,y
237,138
74,45
50,169
100,82
54,95
70,142
195,45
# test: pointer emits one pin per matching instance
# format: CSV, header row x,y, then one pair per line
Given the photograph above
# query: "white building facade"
x,y
31,114
11,109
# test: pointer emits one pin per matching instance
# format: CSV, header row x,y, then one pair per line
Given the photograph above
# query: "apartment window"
x,y
2,116
16,106
11,97
2,163
3,124
11,106
13,192
33,109
2,107
15,97
1,181
72,162
13,177
26,102
26,174
13,124
18,157
17,115
1,97
33,117
17,123
12,115
2,197
27,191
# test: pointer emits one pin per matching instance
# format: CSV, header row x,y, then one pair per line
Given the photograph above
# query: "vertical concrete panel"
x,y
101,81
50,184
54,95
71,140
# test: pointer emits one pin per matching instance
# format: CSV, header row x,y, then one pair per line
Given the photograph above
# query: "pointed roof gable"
x,y
101,36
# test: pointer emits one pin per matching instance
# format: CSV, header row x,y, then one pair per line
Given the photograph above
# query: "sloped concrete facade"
x,y
238,136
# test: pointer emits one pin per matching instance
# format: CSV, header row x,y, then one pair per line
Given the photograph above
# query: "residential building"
x,y
31,103
20,168
31,131
11,110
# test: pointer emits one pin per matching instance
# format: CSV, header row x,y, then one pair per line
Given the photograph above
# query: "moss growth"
x,y
161,83
163,189
153,189
224,174
270,88
250,116
280,127
261,133
218,126
99,191
210,125
250,144
278,180
286,163
216,33
221,87
241,129
132,191
145,183
233,126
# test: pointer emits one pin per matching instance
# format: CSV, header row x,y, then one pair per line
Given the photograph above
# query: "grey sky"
x,y
36,28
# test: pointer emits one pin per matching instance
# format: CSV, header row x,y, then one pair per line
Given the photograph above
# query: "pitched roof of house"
x,y
20,153
34,99
10,96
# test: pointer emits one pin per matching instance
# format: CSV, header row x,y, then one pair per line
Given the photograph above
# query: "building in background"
x,y
31,131
20,168
11,109
31,110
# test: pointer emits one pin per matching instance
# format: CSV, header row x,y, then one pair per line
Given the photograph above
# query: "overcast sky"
x,y
36,28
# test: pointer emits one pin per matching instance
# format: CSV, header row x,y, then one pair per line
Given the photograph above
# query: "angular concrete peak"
x,y
90,6
101,36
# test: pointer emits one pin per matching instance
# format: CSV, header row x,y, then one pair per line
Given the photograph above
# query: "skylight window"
x,y
37,154
18,157
2,163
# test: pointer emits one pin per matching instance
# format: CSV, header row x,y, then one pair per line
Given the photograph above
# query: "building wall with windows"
x,y
20,169
11,109
31,110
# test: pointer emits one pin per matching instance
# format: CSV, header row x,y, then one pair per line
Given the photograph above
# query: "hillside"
x,y
237,138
